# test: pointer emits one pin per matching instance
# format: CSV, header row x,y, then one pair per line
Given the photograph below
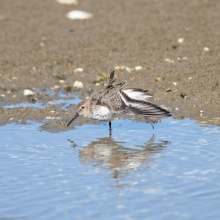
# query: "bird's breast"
x,y
101,113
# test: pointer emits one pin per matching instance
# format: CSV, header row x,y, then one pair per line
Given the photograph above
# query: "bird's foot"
x,y
150,121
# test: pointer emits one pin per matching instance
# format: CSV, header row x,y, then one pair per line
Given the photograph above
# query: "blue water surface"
x,y
136,172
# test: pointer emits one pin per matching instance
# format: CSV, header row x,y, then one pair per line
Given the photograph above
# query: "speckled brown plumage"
x,y
114,99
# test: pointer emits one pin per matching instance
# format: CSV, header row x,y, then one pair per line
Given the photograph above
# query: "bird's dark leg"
x,y
110,129
110,125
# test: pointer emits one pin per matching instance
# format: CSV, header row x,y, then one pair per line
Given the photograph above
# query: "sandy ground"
x,y
177,41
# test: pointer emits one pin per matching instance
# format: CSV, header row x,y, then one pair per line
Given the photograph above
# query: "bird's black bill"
x,y
75,116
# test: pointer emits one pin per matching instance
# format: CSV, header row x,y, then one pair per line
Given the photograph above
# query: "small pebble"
x,y
68,2
78,70
206,49
158,79
61,81
128,69
51,103
28,92
169,60
49,117
182,59
201,113
176,109
183,95
180,40
78,84
138,68
70,30
174,83
69,63
68,88
120,68
189,78
75,14
32,99
34,68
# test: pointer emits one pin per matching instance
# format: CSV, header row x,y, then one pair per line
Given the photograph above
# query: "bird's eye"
x,y
82,107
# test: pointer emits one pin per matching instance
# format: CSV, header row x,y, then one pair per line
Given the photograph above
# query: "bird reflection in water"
x,y
114,156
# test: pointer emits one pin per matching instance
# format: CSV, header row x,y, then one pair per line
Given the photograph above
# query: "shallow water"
x,y
39,104
70,100
135,173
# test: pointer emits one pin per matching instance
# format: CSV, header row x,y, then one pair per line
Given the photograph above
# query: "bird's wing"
x,y
137,94
143,108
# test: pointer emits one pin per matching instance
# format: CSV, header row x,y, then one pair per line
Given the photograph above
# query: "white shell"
x,y
73,15
169,60
206,49
67,2
28,92
77,84
78,70
138,68
180,40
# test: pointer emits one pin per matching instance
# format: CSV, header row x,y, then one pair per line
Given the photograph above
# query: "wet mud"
x,y
171,48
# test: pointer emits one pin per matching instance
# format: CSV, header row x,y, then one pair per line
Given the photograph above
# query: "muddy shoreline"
x,y
176,41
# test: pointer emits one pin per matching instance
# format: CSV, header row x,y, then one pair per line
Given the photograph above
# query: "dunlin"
x,y
114,99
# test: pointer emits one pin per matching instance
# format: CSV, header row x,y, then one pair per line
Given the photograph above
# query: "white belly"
x,y
101,113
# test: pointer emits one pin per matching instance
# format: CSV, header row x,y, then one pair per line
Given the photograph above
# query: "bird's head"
x,y
83,108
